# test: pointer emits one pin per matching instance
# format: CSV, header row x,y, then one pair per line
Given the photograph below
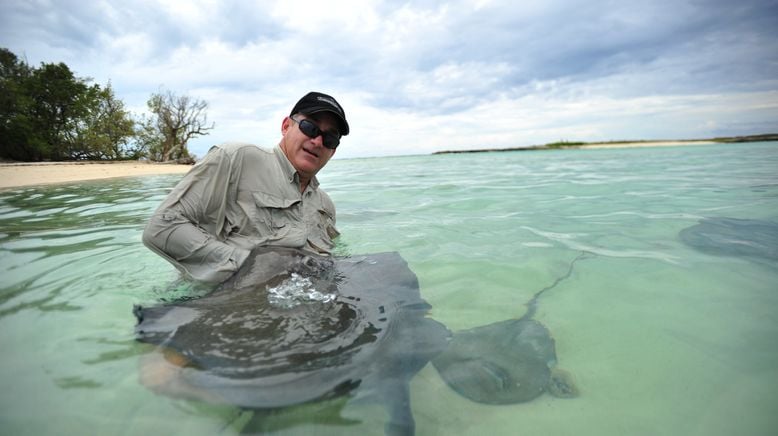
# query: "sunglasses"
x,y
311,130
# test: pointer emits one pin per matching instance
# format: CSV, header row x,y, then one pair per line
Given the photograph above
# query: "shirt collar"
x,y
290,174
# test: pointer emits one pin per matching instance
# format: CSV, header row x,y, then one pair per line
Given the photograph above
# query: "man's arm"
x,y
186,228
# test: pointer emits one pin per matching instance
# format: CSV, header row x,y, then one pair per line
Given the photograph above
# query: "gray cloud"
x,y
465,61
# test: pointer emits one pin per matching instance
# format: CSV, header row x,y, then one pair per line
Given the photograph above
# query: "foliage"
x,y
59,101
16,127
106,131
47,113
563,143
174,121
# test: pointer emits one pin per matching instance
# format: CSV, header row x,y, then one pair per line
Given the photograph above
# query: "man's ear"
x,y
285,124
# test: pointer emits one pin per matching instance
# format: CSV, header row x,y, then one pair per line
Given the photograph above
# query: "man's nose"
x,y
318,140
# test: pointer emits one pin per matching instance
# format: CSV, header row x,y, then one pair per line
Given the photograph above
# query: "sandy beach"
x,y
645,144
594,145
14,175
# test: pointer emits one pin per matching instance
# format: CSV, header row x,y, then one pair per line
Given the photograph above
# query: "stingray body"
x,y
353,326
506,362
734,237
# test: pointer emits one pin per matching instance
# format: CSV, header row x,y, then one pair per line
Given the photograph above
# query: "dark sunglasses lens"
x,y
330,141
312,131
309,129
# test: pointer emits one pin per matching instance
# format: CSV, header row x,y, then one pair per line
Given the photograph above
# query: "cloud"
x,y
428,75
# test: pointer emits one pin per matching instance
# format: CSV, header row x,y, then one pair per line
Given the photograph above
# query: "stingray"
x,y
291,328
507,362
734,237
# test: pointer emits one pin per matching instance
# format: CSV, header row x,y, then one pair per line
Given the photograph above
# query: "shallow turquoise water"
x,y
661,339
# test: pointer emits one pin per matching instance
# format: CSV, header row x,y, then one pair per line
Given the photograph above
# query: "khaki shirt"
x,y
238,197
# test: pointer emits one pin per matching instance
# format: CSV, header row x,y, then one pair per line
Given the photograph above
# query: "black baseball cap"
x,y
314,102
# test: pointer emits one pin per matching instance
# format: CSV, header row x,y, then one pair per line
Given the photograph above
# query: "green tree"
x,y
49,113
105,129
16,127
58,100
173,122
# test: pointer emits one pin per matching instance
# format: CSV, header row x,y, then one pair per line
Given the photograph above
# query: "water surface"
x,y
660,338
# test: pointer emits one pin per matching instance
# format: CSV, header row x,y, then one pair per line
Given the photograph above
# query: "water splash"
x,y
294,291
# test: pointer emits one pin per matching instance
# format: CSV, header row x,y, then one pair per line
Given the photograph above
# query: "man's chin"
x,y
308,164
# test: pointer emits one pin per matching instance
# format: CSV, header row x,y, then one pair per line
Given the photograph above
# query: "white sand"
x,y
14,175
646,144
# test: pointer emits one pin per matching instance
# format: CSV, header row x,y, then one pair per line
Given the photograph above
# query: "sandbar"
x,y
644,144
590,145
15,175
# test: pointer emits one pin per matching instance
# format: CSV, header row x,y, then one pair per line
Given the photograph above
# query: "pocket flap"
x,y
264,199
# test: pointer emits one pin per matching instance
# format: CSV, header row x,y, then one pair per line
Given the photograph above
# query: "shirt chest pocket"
x,y
273,214
322,229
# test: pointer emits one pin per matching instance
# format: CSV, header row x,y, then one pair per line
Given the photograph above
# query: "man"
x,y
241,196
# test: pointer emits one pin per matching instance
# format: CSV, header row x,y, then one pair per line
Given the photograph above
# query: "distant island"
x,y
623,143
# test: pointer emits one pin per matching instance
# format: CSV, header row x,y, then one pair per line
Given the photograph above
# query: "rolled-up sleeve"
x,y
188,227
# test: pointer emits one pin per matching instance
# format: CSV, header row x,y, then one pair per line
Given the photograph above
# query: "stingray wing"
x,y
244,351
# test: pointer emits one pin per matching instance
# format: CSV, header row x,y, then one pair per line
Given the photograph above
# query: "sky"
x,y
415,77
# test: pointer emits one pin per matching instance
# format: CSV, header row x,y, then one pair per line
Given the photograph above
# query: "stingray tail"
x,y
532,304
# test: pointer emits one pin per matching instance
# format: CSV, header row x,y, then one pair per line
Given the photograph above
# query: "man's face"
x,y
307,155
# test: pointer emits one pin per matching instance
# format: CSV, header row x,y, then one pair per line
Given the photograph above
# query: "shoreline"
x,y
587,145
563,145
24,174
641,144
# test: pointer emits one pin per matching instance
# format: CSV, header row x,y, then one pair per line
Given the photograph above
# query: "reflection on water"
x,y
660,337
